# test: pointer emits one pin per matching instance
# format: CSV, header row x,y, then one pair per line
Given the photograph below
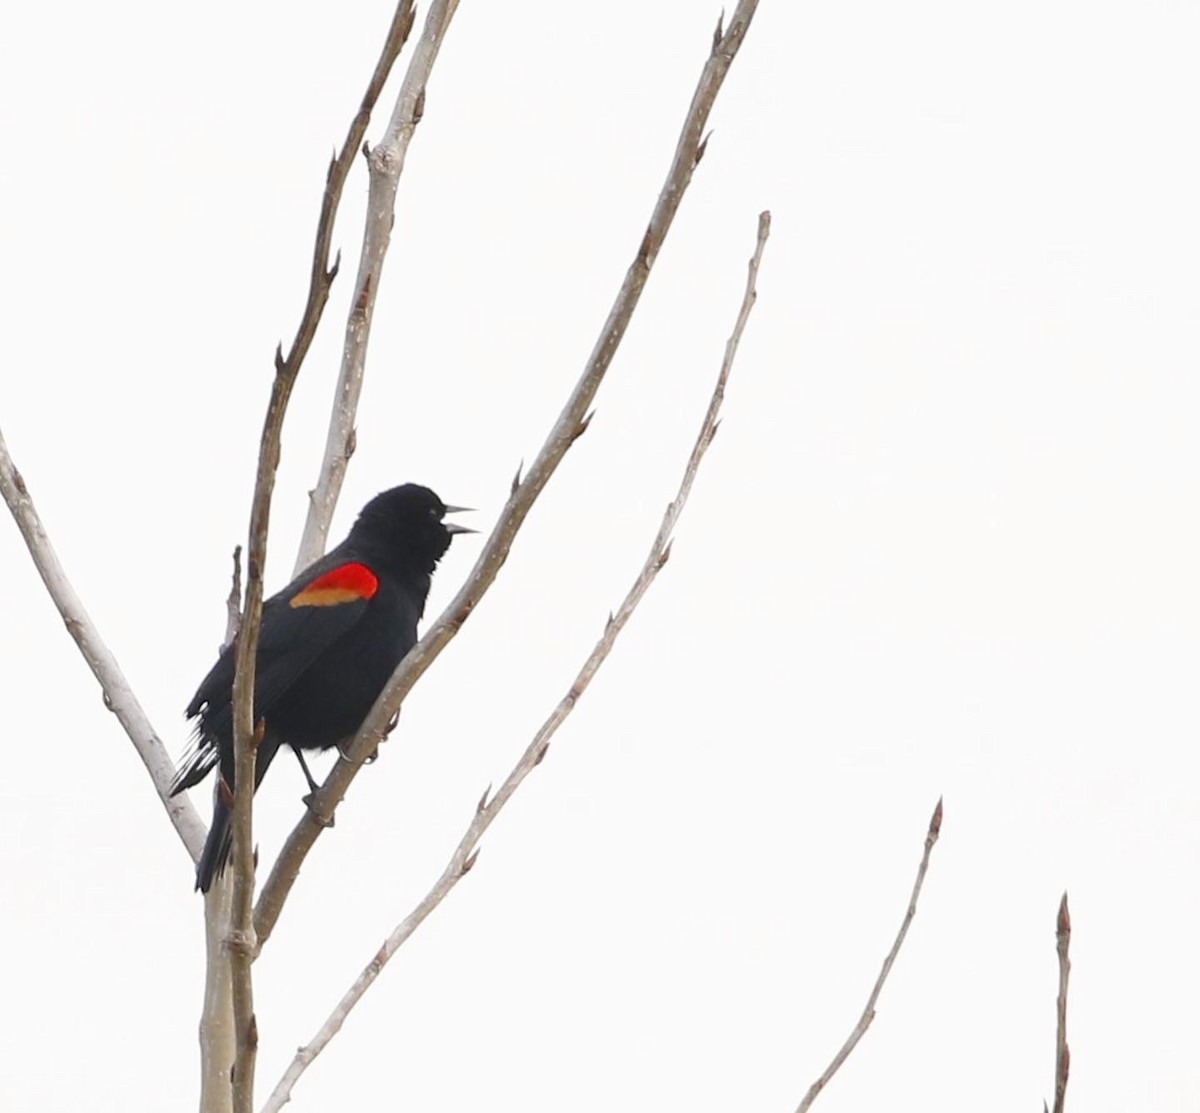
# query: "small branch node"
x,y
644,254
242,943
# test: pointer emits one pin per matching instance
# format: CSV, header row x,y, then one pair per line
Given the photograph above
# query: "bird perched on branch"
x,y
328,643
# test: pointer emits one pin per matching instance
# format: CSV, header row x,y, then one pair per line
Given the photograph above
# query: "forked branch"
x,y
386,163
322,272
242,944
571,423
488,809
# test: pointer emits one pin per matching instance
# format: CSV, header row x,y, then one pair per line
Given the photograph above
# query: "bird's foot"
x,y
324,821
344,754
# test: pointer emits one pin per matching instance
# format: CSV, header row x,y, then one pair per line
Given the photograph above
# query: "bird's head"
x,y
404,527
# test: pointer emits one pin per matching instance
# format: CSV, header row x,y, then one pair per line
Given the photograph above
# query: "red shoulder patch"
x,y
347,583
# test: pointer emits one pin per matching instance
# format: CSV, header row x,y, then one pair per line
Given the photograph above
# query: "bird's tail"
x,y
216,847
197,762
220,835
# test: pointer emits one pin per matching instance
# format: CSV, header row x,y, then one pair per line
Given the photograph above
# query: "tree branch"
x,y
218,1029
1062,1054
322,274
241,940
233,613
572,423
218,1042
868,1013
386,163
118,695
466,852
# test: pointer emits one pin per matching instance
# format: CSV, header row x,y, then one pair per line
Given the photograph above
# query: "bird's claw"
x,y
324,821
344,753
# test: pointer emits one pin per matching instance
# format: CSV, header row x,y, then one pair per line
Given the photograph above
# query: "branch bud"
x,y
935,821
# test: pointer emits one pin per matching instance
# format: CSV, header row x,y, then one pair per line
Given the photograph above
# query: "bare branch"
x,y
1062,1054
233,612
323,804
322,273
217,1030
117,694
386,163
241,940
868,1013
490,806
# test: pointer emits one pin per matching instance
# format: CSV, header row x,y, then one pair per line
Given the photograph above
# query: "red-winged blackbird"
x,y
329,641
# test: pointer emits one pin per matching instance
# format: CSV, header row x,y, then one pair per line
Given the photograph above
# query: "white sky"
x,y
945,543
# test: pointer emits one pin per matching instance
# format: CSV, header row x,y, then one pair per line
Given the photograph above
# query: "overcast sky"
x,y
946,543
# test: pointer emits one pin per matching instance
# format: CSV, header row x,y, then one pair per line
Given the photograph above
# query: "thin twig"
x,y
386,163
322,273
466,852
118,695
868,1013
241,941
1062,1054
233,611
572,423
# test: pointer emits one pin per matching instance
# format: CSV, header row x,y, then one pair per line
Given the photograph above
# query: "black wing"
x,y
298,625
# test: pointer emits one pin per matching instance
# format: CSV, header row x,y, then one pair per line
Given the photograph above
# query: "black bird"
x,y
328,643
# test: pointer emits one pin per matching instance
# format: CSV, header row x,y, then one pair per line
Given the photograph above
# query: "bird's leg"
x,y
312,785
312,790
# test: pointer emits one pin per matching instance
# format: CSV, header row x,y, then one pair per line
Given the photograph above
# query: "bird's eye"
x,y
433,513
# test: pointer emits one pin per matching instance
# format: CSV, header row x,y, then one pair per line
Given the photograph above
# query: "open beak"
x,y
454,527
